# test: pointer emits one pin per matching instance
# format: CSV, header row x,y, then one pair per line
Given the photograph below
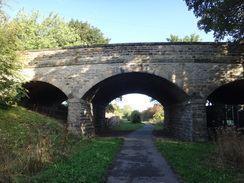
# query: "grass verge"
x,y
127,125
158,126
90,163
195,162
31,143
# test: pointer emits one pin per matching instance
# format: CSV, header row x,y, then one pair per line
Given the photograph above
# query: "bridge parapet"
x,y
133,52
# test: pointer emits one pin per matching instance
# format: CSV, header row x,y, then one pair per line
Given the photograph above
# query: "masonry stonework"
x,y
194,68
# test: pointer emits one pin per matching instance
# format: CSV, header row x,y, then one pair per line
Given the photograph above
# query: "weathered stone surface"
x,y
192,67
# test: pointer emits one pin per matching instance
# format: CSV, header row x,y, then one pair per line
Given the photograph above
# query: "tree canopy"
x,y
37,31
87,34
191,38
224,17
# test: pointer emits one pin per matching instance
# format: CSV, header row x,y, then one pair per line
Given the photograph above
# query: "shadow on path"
x,y
140,162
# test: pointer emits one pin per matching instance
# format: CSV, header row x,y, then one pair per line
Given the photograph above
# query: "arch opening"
x,y
227,105
121,108
45,98
165,92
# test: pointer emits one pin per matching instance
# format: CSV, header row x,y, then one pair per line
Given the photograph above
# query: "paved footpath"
x,y
140,162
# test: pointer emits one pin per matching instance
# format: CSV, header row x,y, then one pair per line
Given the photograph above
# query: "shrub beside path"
x,y
140,162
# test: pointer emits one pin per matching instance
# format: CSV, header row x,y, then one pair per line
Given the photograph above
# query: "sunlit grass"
x,y
127,125
89,163
194,162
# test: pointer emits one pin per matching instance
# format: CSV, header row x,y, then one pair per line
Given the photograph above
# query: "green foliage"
x,y
191,38
224,17
37,31
109,108
10,77
117,110
127,110
135,117
155,114
3,16
126,125
87,34
194,163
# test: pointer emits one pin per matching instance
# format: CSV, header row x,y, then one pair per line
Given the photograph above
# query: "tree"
x,y
3,16
109,108
155,113
117,110
10,78
159,114
37,31
191,38
127,110
225,18
135,117
87,34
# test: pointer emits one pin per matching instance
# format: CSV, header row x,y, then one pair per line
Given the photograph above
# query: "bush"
x,y
135,117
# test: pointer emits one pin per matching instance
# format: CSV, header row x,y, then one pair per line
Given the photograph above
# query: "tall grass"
x,y
28,141
35,148
229,146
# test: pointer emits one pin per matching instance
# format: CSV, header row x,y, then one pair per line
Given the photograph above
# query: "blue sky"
x,y
124,21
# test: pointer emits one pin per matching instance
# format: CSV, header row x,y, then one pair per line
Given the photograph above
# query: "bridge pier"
x,y
80,117
187,120
199,119
99,117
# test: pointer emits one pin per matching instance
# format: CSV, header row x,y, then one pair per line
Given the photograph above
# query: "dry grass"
x,y
230,146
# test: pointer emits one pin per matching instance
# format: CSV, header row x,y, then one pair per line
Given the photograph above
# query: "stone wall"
x,y
133,52
178,120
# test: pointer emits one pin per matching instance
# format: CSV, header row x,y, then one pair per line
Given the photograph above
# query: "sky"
x,y
123,21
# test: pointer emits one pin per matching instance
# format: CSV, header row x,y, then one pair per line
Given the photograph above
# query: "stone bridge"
x,y
181,76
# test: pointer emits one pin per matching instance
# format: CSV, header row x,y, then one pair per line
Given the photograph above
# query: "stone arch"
x,y
56,83
44,97
165,73
135,82
229,73
178,105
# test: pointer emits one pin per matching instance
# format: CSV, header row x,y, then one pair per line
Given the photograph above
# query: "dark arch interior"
x,y
227,105
45,98
158,88
43,93
231,93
